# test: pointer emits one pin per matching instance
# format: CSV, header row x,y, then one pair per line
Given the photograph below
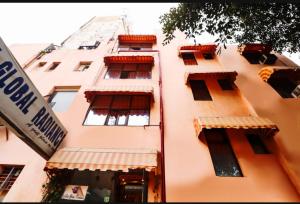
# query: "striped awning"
x,y
137,39
266,72
103,159
210,48
209,73
254,48
119,90
128,59
236,122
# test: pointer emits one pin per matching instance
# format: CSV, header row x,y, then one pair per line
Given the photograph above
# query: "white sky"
x,y
54,22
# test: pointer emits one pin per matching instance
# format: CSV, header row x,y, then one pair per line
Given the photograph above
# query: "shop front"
x,y
101,175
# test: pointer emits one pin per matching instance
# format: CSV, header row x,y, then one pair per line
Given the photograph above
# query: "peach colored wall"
x,y
189,171
285,112
15,151
25,52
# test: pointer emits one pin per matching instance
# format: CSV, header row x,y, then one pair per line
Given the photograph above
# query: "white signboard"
x,y
74,192
24,110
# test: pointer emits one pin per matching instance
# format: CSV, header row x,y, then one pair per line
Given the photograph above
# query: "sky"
x,y
54,22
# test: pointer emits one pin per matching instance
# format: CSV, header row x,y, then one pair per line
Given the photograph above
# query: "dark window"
x,y
41,64
61,100
132,187
83,66
208,56
128,71
8,176
135,46
259,58
267,59
222,155
226,84
283,85
200,91
89,47
53,66
119,110
189,59
253,58
257,144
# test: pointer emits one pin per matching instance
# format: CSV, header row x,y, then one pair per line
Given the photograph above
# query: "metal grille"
x,y
8,176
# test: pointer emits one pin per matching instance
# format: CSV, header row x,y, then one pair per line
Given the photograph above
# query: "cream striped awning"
x,y
90,93
209,73
103,159
237,122
266,72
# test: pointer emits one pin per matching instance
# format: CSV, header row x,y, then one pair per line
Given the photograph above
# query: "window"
x,y
128,71
286,82
222,155
200,91
132,187
119,110
208,56
257,144
226,84
83,66
53,66
253,58
189,59
8,176
89,47
135,46
61,100
41,64
259,58
267,59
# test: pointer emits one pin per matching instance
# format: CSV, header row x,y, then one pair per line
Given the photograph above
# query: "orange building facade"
x,y
148,122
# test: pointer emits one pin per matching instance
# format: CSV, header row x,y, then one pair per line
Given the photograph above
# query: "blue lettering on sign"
x,y
17,88
19,93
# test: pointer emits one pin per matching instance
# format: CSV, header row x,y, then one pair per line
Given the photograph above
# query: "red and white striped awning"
x,y
128,59
254,48
137,39
208,48
209,73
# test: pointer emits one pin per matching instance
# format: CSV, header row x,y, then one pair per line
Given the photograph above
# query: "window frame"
x,y
225,87
281,86
135,47
12,174
110,109
253,138
41,64
53,66
83,63
227,142
197,91
61,89
189,61
123,71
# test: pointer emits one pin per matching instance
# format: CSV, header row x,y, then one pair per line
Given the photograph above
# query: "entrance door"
x,y
132,188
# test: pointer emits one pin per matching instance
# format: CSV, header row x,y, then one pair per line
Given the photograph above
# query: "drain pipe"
x,y
162,135
162,125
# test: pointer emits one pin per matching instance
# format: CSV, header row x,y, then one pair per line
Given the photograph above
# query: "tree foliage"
x,y
273,23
